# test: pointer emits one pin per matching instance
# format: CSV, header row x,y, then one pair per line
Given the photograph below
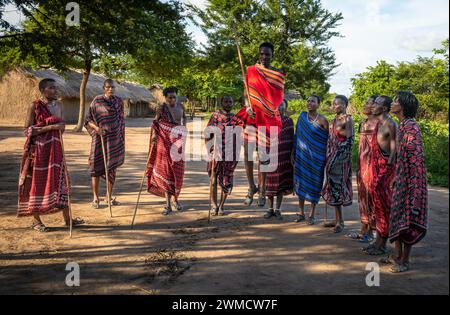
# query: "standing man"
x,y
309,156
226,156
265,85
106,118
42,181
165,169
281,182
364,172
409,211
383,159
338,191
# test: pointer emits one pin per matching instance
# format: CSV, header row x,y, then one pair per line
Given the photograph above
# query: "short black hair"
x,y
317,98
409,103
224,97
110,81
170,89
386,101
342,98
267,45
372,97
44,83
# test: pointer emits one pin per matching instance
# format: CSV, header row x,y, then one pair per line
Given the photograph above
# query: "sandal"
x,y
40,227
366,238
221,212
300,218
249,198
278,215
311,221
167,211
375,251
95,204
76,222
178,206
114,202
399,268
338,228
389,260
215,211
270,213
354,235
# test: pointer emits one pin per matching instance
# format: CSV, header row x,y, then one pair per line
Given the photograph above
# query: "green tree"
x,y
426,77
299,29
132,34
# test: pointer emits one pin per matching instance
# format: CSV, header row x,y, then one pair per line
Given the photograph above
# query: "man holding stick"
x,y
106,125
264,92
43,182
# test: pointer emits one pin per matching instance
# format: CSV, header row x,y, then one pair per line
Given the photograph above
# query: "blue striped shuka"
x,y
310,156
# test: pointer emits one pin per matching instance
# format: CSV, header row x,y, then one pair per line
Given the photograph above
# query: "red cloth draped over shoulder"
x,y
42,185
266,93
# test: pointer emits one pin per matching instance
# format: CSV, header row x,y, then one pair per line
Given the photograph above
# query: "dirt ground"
x,y
241,253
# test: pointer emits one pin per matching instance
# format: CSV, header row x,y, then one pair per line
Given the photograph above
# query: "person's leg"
x,y
168,208
214,193
406,254
278,208
301,208
95,186
270,212
312,211
223,198
249,164
339,219
36,219
279,200
271,201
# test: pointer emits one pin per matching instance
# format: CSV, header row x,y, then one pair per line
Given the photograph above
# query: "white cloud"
x,y
391,30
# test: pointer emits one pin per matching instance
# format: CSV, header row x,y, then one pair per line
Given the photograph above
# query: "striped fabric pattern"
x,y
42,185
338,190
108,114
282,180
266,89
310,156
165,174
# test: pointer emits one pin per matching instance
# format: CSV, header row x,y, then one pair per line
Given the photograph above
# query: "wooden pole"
x,y
211,181
241,62
106,167
108,195
142,180
66,175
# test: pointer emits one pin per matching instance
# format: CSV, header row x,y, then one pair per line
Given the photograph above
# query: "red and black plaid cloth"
x,y
165,169
282,180
108,114
42,184
225,166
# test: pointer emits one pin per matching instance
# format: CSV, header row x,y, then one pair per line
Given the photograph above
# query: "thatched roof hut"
x,y
19,87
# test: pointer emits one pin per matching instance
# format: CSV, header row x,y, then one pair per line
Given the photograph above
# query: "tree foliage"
x,y
299,29
426,77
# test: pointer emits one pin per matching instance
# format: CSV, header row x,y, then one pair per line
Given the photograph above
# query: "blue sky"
x,y
392,30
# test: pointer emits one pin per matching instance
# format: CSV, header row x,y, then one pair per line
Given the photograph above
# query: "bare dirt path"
x,y
241,253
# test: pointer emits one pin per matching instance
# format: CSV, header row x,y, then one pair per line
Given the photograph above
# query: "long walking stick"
x,y
143,178
66,175
211,183
241,62
106,175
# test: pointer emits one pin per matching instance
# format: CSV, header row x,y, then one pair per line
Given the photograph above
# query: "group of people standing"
x,y
313,158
